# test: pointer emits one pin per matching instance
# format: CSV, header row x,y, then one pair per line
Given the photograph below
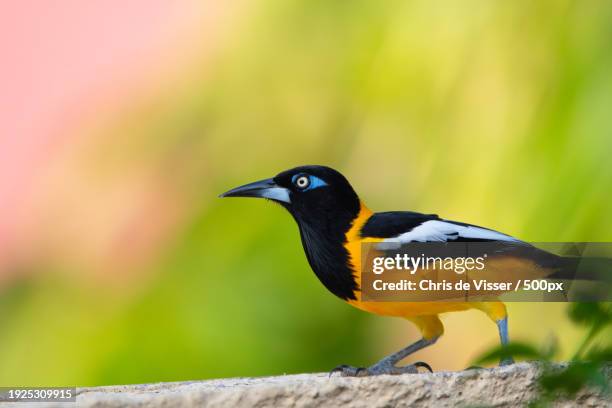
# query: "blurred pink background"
x,y
66,68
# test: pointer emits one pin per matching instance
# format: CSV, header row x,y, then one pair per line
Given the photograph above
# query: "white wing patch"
x,y
442,231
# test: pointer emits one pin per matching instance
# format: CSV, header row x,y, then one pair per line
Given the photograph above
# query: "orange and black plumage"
x,y
334,222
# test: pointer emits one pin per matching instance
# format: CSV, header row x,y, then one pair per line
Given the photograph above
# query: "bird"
x,y
333,224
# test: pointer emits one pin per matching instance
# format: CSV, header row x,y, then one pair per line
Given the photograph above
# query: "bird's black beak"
x,y
260,189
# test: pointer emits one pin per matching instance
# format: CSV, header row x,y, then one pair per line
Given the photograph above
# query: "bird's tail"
x,y
590,277
583,268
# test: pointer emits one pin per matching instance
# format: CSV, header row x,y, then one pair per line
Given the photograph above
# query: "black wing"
x,y
393,223
407,226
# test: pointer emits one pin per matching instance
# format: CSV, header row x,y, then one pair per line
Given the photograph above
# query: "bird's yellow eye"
x,y
302,182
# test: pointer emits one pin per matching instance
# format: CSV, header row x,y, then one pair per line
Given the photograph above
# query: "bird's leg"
x,y
502,327
497,312
388,364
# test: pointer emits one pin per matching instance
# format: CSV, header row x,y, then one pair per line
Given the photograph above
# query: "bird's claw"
x,y
379,369
349,371
423,365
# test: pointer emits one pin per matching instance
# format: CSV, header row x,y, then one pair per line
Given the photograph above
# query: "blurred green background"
x,y
122,266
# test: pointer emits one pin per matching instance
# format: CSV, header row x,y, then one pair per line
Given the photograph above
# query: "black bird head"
x,y
312,194
324,205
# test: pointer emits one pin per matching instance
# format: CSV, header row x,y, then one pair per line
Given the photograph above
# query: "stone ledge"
x,y
509,386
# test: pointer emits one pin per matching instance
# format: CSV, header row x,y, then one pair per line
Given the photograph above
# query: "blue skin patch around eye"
x,y
315,182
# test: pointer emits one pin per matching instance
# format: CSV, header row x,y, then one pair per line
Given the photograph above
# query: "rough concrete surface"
x,y
498,387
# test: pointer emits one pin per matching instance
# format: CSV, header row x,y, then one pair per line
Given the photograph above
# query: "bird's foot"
x,y
382,367
506,361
